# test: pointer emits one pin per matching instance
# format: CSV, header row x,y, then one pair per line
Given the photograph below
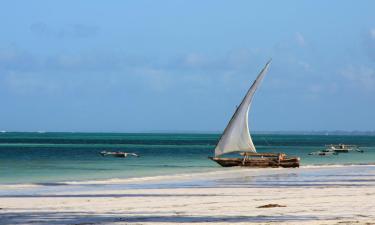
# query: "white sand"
x,y
336,203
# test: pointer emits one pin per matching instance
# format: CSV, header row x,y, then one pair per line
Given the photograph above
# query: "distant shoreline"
x,y
358,133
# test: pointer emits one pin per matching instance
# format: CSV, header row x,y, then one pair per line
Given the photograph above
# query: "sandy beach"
x,y
322,195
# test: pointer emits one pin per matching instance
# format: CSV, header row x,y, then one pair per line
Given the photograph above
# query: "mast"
x,y
236,136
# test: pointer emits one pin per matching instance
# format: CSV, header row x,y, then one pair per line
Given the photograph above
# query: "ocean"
x,y
43,158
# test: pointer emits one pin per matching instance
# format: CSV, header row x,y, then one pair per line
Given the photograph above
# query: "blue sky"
x,y
129,66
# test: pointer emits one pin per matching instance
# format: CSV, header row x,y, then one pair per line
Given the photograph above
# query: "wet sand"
x,y
324,195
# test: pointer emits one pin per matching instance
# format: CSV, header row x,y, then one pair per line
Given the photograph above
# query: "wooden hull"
x,y
258,162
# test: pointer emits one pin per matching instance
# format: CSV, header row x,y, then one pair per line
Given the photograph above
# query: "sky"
x,y
144,66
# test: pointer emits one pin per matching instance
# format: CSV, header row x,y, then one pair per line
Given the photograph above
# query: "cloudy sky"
x,y
130,66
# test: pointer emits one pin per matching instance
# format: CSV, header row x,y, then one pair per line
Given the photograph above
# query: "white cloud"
x,y
27,83
318,90
156,79
305,65
194,60
239,58
67,31
372,33
362,76
233,59
369,43
30,73
12,58
300,39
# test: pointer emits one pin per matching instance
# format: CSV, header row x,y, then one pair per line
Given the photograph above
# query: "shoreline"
x,y
186,175
329,195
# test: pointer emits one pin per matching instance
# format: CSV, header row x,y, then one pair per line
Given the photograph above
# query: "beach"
x,y
307,195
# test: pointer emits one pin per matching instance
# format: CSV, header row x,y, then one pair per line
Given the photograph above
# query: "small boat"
x,y
324,153
342,148
236,138
118,154
336,149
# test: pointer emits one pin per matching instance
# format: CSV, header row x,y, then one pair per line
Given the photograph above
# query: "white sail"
x,y
236,136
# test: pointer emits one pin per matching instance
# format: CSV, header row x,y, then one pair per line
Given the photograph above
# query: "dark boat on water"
x,y
236,138
336,149
343,148
118,154
324,153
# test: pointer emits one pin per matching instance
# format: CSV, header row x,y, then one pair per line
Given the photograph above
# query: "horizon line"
x,y
206,132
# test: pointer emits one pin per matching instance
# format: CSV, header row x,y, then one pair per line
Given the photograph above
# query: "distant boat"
x,y
343,148
324,153
236,138
336,149
118,154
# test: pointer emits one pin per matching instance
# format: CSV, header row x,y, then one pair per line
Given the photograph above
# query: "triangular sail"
x,y
236,136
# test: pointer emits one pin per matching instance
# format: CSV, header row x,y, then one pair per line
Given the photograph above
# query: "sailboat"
x,y
236,138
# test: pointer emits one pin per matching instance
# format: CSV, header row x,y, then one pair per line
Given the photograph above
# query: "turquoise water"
x,y
54,157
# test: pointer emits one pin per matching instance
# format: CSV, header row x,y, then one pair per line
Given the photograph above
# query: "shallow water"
x,y
57,157
305,177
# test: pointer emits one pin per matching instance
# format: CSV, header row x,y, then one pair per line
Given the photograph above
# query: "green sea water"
x,y
56,157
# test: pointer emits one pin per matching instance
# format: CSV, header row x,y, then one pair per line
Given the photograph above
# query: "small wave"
x,y
51,184
18,186
31,185
174,177
331,165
